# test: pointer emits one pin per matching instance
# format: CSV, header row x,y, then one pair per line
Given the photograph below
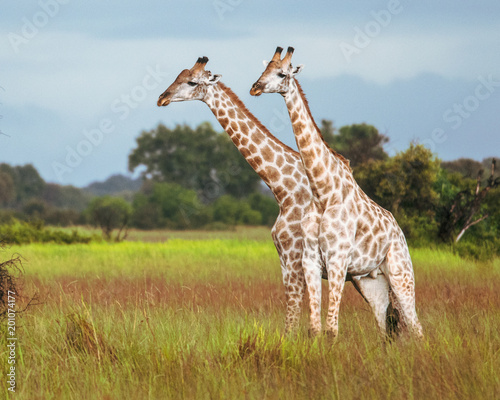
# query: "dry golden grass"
x,y
214,329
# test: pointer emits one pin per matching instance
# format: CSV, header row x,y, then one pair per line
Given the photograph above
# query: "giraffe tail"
x,y
394,322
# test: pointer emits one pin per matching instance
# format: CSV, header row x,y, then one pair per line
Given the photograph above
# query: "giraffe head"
x,y
191,84
277,75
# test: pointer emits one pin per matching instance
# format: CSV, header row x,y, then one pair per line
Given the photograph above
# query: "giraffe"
x,y
354,234
281,169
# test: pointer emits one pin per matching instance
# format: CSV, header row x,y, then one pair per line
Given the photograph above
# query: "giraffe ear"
x,y
213,79
298,69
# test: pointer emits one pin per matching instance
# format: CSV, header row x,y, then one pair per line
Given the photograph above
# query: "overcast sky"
x,y
79,80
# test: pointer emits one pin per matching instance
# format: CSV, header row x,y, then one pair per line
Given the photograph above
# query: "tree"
x,y
115,185
199,159
328,131
110,213
179,206
7,189
146,215
27,182
168,205
492,208
359,143
466,209
66,197
404,183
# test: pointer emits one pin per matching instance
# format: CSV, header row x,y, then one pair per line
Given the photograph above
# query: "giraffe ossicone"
x,y
353,235
280,167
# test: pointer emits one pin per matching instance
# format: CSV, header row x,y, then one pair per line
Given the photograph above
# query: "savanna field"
x,y
200,315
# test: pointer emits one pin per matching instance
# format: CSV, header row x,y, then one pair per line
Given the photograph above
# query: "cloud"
x,y
91,56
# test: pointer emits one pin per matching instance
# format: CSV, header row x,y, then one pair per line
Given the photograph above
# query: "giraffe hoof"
x,y
331,336
314,333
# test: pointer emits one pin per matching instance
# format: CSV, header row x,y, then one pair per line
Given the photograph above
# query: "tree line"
x,y
194,177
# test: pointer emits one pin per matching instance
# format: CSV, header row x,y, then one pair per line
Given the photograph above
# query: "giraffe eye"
x,y
281,75
191,83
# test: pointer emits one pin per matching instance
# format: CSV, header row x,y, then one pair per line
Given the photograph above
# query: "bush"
x,y
19,232
250,217
7,216
10,271
267,206
420,231
109,213
480,251
169,205
231,211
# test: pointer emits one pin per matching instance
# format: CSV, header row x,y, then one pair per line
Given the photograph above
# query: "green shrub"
x,y
420,231
109,213
231,211
168,205
19,232
267,206
249,216
480,251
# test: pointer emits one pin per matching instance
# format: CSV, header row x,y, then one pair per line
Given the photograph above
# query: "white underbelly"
x,y
363,266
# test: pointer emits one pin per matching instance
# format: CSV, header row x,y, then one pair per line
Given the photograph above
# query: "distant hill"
x,y
115,184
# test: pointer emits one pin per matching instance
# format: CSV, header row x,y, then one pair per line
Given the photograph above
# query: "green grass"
x,y
176,260
258,233
204,318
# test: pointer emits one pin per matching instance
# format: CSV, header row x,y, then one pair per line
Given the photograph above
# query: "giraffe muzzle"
x,y
163,101
256,89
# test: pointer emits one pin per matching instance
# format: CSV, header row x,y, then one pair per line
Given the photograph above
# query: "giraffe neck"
x,y
326,170
265,154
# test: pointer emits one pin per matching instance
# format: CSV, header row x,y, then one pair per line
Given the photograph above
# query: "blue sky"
x,y
79,80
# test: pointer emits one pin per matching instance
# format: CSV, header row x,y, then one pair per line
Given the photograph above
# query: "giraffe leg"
x,y
312,274
294,290
287,259
399,270
292,274
337,271
312,264
376,293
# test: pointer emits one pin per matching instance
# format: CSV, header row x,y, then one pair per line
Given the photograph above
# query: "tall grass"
x,y
204,319
176,260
